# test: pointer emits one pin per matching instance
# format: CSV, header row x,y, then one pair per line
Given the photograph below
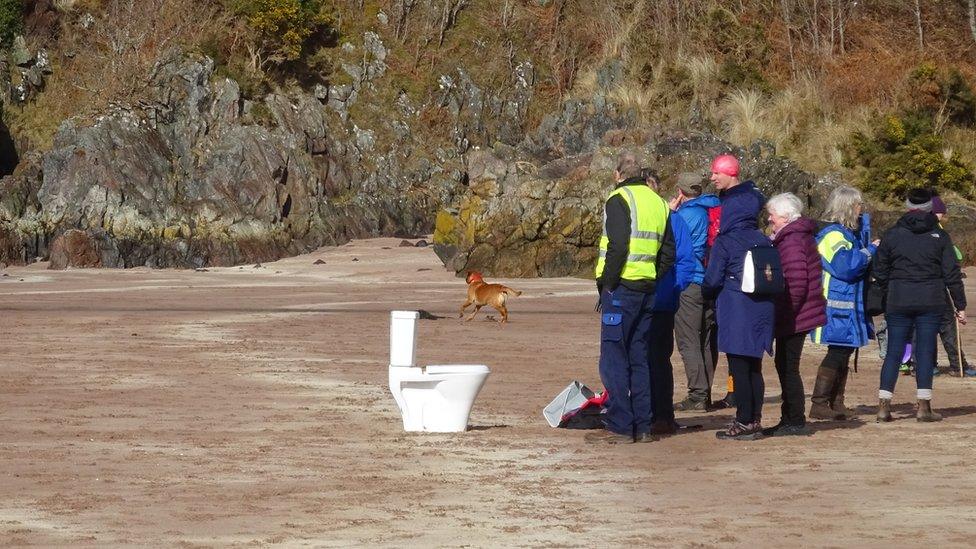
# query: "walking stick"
x,y
955,316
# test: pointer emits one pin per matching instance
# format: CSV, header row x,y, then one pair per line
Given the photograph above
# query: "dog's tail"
x,y
511,292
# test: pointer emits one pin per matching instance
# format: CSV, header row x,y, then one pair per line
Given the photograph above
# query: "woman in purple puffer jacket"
x,y
801,308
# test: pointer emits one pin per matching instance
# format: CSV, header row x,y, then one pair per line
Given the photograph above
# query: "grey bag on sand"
x,y
568,401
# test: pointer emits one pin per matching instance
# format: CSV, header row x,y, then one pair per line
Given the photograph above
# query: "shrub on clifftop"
x,y
11,20
283,26
901,153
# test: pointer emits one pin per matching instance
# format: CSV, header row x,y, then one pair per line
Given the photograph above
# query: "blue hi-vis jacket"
x,y
845,258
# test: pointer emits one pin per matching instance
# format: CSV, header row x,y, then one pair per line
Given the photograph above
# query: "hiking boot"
x,y
787,429
822,390
738,431
608,437
837,402
689,404
884,410
924,412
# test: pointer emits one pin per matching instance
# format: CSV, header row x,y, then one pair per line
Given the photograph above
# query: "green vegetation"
x,y
284,27
902,152
11,20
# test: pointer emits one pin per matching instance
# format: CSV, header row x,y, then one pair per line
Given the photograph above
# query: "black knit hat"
x,y
919,199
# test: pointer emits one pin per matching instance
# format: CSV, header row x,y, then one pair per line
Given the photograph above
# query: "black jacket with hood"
x,y
915,264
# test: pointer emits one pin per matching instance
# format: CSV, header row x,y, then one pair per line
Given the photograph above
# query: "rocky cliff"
x,y
191,178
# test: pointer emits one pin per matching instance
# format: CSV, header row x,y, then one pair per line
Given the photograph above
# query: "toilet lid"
x,y
458,369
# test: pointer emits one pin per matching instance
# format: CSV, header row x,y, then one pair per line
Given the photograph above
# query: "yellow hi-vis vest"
x,y
648,220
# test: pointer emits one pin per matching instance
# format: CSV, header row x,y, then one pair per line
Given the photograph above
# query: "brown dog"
x,y
480,294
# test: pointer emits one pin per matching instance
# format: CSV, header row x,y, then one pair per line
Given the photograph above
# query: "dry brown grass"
x,y
112,61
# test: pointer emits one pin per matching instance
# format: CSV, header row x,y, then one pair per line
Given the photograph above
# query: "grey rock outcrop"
x,y
528,218
189,179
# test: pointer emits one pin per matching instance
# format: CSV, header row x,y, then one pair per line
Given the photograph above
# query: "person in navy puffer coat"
x,y
799,309
745,321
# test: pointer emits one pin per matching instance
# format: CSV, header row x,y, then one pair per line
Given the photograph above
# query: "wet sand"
x,y
249,406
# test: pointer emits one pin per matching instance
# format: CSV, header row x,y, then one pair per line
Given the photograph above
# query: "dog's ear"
x,y
467,278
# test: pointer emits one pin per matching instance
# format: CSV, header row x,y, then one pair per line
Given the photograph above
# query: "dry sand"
x,y
248,406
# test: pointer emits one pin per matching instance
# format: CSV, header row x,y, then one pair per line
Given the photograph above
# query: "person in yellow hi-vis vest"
x,y
637,244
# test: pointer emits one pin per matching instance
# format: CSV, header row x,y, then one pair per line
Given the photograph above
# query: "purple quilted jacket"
x,y
802,307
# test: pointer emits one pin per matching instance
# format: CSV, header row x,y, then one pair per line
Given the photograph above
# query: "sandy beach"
x,y
248,406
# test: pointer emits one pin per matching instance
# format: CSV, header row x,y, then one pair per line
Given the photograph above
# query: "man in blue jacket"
x,y
694,323
666,298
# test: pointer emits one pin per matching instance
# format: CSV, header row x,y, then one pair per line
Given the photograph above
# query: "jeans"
x,y
624,352
697,339
787,360
900,325
749,387
662,376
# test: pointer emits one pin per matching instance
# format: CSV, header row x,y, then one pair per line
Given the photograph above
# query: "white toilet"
x,y
435,399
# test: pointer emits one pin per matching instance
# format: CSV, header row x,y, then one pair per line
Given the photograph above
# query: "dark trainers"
x,y
738,431
727,402
607,437
787,430
689,404
664,427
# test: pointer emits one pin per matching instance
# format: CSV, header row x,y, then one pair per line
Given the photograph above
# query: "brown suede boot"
x,y
837,402
884,410
822,389
925,413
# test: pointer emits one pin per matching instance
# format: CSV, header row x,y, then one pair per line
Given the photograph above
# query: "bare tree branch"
x,y
972,18
918,24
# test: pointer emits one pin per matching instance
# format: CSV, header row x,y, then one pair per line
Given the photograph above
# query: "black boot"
x,y
822,391
837,402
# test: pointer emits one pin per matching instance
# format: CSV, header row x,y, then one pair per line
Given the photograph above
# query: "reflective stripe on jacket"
x,y
648,221
845,261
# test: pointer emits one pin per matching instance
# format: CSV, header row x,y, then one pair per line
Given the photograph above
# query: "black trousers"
x,y
837,357
949,335
662,377
787,360
749,387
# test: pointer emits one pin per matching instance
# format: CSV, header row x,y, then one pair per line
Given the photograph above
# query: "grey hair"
x,y
787,205
628,166
842,206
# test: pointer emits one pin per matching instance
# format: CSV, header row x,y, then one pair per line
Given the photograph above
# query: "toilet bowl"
x,y
437,398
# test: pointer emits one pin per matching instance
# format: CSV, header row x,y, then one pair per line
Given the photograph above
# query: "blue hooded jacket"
x,y
673,282
695,214
745,321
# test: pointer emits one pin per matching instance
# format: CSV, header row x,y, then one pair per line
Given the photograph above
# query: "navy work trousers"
x,y
624,350
662,375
